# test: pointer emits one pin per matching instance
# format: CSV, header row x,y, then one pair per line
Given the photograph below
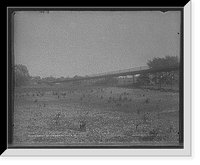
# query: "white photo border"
x,y
186,152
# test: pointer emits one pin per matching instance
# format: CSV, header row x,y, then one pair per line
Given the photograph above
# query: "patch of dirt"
x,y
91,115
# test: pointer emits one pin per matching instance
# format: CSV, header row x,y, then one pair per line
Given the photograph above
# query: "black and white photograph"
x,y
97,78
93,81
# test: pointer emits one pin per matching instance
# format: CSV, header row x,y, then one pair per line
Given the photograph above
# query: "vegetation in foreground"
x,y
85,115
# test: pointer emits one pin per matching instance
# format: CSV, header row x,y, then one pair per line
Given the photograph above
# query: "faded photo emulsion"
x,y
97,78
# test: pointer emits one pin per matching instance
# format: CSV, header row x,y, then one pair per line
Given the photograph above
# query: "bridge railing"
x,y
120,71
142,68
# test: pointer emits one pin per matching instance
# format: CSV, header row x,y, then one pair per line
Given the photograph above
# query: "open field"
x,y
70,115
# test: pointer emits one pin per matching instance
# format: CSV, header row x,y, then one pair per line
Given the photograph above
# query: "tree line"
x,y
23,78
159,78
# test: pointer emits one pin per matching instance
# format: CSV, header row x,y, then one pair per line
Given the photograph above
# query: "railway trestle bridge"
x,y
125,72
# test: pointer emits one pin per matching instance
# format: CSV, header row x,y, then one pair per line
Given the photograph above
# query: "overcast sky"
x,y
69,43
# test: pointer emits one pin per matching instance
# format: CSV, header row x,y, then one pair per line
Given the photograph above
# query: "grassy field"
x,y
78,115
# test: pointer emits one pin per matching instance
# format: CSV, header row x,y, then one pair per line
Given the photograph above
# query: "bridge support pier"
x,y
172,79
160,80
134,81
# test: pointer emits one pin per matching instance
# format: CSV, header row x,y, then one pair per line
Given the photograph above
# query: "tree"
x,y
36,79
22,76
50,78
143,79
167,61
76,77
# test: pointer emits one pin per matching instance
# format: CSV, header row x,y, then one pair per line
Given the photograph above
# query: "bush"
x,y
22,76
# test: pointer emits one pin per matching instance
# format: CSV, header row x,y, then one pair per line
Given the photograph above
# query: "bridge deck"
x,y
125,72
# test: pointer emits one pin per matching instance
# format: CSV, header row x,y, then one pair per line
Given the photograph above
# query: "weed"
x,y
138,111
136,126
83,125
144,118
147,100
